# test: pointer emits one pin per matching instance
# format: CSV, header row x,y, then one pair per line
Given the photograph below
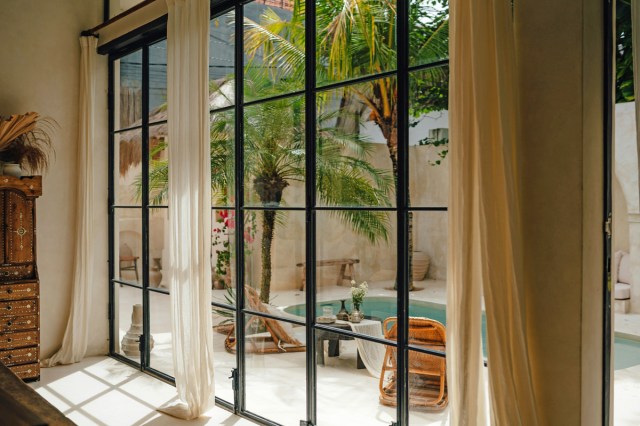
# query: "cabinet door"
x,y
2,228
19,228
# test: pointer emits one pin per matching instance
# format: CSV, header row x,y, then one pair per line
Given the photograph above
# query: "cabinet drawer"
x,y
18,307
19,356
16,272
27,371
14,323
18,339
18,291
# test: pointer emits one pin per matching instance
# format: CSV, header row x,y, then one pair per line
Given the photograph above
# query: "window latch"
x,y
236,390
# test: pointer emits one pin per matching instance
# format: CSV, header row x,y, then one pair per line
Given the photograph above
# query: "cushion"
x,y
622,291
624,267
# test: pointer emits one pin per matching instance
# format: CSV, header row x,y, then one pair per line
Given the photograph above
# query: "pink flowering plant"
x,y
223,230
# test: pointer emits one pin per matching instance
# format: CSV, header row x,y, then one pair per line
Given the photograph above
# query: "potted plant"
x,y
25,143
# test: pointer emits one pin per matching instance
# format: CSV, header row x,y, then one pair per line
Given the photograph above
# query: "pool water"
x,y
626,350
385,307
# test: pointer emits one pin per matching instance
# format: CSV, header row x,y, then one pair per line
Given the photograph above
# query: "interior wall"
x,y
560,63
39,72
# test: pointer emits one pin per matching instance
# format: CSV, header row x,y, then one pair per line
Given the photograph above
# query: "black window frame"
x,y
155,32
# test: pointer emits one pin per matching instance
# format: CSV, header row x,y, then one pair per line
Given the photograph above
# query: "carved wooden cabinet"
x,y
19,285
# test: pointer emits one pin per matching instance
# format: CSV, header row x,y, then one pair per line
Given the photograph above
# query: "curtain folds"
x,y
484,225
189,206
74,343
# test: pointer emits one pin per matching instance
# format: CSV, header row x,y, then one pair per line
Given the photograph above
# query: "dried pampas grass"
x,y
26,139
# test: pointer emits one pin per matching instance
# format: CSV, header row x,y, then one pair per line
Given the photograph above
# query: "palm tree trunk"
x,y
389,130
268,223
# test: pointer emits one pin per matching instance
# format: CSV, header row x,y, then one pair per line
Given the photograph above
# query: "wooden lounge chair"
x,y
272,336
427,373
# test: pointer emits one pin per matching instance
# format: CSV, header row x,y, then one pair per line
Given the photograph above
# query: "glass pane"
x,y
429,256
158,248
274,153
221,61
222,158
161,338
348,382
354,166
356,245
224,359
127,241
223,256
428,31
275,370
128,83
428,396
274,261
274,48
127,321
128,154
158,165
354,39
158,82
429,137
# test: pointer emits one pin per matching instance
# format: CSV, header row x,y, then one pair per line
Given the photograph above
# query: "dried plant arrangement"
x,y
25,139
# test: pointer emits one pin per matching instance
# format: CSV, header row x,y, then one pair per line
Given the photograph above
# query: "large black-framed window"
x,y
326,125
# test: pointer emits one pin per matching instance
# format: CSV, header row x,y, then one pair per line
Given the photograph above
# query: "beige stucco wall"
x,y
39,72
560,61
620,223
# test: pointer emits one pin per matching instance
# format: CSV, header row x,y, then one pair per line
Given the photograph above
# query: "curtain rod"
x,y
94,30
88,33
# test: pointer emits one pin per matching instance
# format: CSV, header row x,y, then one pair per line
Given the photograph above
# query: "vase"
x,y
342,315
131,340
419,265
12,169
356,315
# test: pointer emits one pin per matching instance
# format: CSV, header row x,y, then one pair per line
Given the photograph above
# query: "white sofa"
x,y
622,277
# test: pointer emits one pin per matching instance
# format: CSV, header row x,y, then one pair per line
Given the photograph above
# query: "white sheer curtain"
x,y
74,343
484,224
189,206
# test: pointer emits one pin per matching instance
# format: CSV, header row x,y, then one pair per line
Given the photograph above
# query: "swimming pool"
x,y
385,307
626,348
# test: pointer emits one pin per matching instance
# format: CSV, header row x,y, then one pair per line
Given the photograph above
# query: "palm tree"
x,y
357,38
274,158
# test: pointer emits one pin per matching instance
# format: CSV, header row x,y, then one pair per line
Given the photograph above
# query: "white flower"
x,y
358,292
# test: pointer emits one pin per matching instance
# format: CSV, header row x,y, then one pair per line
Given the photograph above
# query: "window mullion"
x,y
146,326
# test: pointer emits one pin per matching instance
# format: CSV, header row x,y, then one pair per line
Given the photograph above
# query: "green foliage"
x,y
441,146
624,53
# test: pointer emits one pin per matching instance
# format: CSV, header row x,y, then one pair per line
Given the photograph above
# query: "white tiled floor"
x,y
103,391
